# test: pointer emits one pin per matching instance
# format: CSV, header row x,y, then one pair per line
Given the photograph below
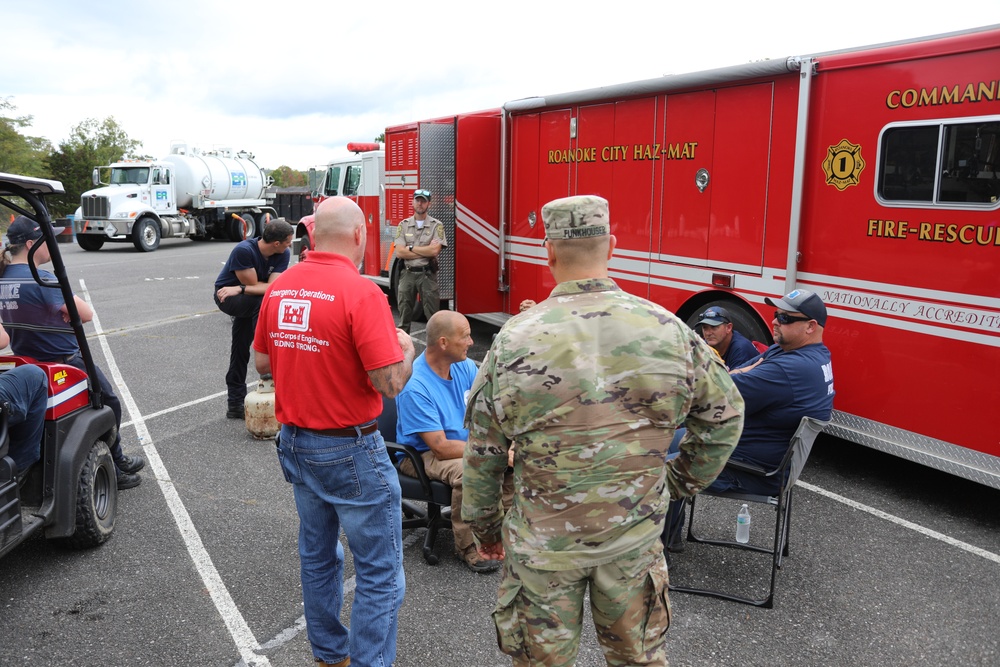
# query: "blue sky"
x,y
294,86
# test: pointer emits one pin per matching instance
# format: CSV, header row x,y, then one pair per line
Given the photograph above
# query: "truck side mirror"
x,y
96,176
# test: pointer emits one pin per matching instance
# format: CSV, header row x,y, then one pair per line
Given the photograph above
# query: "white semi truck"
x,y
189,193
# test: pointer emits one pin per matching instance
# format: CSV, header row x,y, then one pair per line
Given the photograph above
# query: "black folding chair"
x,y
436,495
788,472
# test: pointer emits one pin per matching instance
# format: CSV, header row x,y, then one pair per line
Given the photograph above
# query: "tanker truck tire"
x,y
236,231
146,235
89,241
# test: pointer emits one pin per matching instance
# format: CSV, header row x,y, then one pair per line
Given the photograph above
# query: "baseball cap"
x,y
714,316
578,217
802,301
422,193
24,229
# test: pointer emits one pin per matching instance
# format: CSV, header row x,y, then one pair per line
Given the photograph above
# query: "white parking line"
x,y
231,616
933,534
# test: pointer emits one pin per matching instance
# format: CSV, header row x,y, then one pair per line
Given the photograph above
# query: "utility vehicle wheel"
x,y
745,321
146,235
89,241
96,499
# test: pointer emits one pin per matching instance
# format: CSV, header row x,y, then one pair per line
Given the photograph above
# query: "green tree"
x,y
19,153
380,138
286,177
92,143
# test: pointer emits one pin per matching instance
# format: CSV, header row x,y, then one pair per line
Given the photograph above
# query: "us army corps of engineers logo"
x,y
843,164
294,314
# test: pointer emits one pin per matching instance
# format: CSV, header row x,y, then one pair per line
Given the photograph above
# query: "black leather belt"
x,y
419,269
366,429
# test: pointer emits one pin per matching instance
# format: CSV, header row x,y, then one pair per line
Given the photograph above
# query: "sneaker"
x,y
128,480
130,464
475,562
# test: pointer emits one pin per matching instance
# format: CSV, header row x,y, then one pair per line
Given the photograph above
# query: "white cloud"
x,y
293,82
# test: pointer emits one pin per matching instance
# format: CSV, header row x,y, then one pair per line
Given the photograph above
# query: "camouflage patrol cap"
x,y
582,216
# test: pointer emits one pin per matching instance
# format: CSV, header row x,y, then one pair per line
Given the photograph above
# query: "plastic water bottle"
x,y
743,525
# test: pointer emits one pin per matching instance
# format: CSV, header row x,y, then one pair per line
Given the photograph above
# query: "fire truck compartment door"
x,y
727,133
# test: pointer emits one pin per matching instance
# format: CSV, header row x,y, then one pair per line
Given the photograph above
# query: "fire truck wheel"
x,y
146,235
89,241
96,499
304,247
744,320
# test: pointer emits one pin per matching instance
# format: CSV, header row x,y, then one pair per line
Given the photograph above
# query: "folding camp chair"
x,y
788,471
435,494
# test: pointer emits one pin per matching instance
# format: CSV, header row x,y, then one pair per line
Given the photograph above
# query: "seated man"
x,y
791,380
38,320
431,411
25,390
716,327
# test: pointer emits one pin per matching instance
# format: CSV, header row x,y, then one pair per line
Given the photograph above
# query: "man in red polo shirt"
x,y
326,334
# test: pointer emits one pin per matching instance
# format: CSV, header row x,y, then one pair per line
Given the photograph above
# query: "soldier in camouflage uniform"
x,y
588,387
419,240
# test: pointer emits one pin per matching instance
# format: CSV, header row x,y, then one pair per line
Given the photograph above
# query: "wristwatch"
x,y
243,289
410,248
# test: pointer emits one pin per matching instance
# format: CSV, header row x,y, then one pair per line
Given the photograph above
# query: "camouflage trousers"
x,y
539,613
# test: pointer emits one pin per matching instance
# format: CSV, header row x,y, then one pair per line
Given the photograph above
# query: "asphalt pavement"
x,y
890,563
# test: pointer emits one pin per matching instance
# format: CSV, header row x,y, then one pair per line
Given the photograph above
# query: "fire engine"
x,y
362,178
869,176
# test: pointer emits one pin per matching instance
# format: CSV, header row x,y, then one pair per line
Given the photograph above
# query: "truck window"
x,y
352,180
332,181
943,163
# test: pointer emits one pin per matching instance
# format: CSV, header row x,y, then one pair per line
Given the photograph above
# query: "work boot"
x,y
235,412
128,480
130,464
346,662
475,562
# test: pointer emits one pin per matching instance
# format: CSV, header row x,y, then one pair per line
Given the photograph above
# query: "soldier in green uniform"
x,y
588,386
419,240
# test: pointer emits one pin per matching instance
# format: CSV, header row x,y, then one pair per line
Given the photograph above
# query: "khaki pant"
x,y
449,471
539,613
410,284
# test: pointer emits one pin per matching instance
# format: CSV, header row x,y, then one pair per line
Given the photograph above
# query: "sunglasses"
x,y
785,318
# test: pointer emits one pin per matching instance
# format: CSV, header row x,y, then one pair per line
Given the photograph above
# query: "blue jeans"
x,y
347,483
25,389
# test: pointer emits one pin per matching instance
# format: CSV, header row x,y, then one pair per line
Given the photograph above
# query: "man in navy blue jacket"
x,y
716,326
791,380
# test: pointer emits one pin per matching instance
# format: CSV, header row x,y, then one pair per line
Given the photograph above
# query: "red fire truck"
x,y
869,176
362,178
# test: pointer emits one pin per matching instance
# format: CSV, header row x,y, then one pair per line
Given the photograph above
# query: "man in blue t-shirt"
x,y
716,326
38,320
431,414
791,380
252,266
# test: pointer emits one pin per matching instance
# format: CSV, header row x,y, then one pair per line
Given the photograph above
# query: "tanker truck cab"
x,y
189,193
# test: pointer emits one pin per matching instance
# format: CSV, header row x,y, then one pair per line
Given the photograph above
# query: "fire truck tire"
x,y
744,320
304,246
89,241
146,235
96,499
